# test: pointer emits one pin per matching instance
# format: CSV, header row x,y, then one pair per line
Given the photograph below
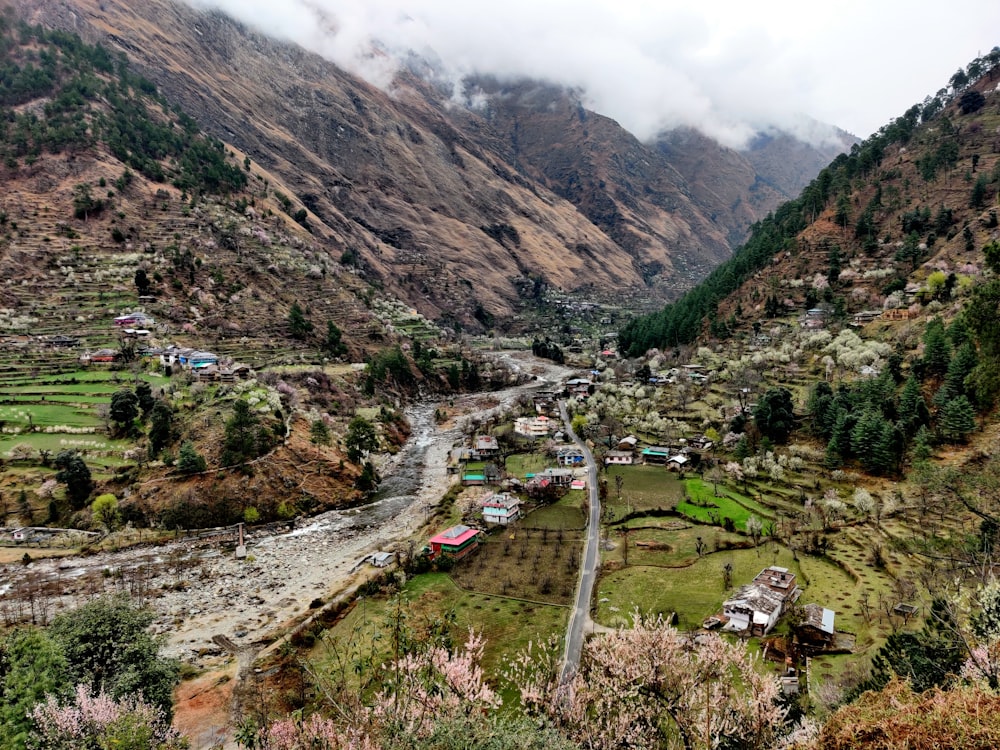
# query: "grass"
x,y
710,508
669,544
567,513
521,464
47,415
643,488
693,592
508,625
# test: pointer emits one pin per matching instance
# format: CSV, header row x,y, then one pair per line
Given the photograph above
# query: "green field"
x,y
710,508
566,513
521,464
670,544
643,488
508,625
693,592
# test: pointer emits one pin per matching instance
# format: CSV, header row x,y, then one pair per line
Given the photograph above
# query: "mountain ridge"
x,y
366,165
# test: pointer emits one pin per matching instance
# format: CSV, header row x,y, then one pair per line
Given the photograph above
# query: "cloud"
x,y
724,67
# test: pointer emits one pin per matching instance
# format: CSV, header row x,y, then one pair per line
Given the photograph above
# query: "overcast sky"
x,y
727,67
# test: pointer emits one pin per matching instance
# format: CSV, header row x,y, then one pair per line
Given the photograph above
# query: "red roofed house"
x,y
458,541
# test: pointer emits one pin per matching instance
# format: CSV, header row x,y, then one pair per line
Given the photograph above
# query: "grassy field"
x,y
567,513
693,592
521,464
643,488
508,625
705,506
667,543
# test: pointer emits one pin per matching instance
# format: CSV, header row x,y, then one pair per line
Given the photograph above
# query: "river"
x,y
199,593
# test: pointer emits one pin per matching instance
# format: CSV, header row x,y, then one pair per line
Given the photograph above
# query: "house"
x,y
484,446
558,477
457,458
473,479
896,313
533,427
383,559
678,462
578,484
628,443
501,509
134,320
700,443
656,454
865,316
100,356
571,456
579,387
618,458
756,606
545,402
196,360
456,542
61,340
816,629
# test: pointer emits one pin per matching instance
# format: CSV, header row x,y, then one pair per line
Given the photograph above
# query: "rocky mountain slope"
x,y
457,211
908,211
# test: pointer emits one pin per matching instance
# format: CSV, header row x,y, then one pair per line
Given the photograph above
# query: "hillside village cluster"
x,y
754,607
135,328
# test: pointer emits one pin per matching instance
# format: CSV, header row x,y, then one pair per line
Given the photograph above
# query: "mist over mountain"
x,y
457,209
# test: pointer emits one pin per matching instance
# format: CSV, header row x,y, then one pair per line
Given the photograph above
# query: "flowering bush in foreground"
x,y
99,721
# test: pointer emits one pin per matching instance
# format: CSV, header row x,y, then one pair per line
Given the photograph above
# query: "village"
x,y
499,500
675,513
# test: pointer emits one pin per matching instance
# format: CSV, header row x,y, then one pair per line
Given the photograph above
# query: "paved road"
x,y
588,572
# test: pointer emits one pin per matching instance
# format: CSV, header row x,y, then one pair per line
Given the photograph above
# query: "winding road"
x,y
588,571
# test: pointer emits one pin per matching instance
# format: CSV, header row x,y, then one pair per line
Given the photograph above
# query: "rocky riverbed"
x,y
203,595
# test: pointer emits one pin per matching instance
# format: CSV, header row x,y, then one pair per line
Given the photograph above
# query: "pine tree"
x,y
913,410
240,443
189,460
160,427
299,325
937,352
74,472
333,343
957,419
319,433
960,367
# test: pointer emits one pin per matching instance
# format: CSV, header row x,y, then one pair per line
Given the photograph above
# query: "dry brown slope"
x,y
391,178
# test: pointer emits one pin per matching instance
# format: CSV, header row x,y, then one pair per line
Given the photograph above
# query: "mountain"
x,y
739,188
464,213
874,229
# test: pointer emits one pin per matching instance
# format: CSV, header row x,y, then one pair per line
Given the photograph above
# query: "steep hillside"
x,y
453,210
739,188
870,231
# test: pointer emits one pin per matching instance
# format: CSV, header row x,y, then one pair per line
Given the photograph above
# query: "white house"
x,y
383,559
757,606
533,427
501,509
618,458
571,456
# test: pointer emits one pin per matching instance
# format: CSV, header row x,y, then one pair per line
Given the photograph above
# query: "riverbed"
x,y
202,595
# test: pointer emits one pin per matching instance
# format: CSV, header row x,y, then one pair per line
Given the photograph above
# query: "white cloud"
x,y
726,67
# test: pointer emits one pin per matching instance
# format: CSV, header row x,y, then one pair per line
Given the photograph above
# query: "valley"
x,y
343,320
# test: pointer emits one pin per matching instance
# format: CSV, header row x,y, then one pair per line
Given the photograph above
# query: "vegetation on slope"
x,y
91,96
836,189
